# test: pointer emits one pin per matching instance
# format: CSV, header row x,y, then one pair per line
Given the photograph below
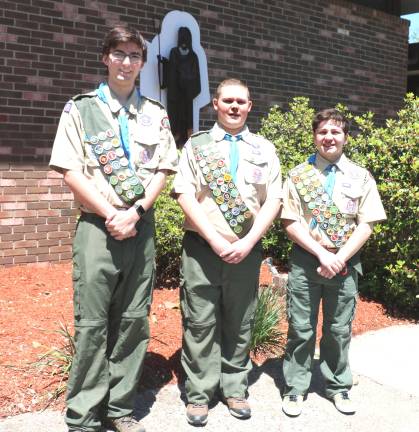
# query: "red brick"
x,y
34,221
38,250
6,260
37,206
13,174
13,206
47,228
57,220
60,249
37,190
67,256
6,244
49,213
11,238
48,257
34,236
15,252
25,259
5,229
7,182
24,228
26,244
45,242
55,235
12,221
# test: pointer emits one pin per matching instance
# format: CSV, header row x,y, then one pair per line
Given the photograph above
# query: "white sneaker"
x,y
292,405
343,403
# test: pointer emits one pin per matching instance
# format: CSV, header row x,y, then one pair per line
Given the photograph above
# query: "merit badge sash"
x,y
322,208
107,148
224,191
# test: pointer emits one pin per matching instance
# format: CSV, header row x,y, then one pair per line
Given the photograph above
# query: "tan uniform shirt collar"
x,y
132,104
322,163
218,133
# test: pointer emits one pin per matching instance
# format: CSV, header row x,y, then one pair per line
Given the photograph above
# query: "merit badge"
x,y
165,122
145,120
110,133
101,136
94,139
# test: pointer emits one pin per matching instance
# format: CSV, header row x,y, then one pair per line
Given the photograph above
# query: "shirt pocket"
x,y
147,149
350,200
255,169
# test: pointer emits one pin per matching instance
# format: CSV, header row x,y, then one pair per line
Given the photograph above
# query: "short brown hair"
x,y
230,82
331,114
121,34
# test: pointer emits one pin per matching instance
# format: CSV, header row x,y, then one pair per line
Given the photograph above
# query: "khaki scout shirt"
x,y
258,177
355,194
152,145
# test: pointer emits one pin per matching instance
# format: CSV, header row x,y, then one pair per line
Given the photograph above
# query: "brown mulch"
x,y
35,300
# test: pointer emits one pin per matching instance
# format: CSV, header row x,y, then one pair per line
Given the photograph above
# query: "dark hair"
x,y
331,114
121,34
228,82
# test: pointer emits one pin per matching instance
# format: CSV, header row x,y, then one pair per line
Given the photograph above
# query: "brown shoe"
x,y
197,414
238,407
126,424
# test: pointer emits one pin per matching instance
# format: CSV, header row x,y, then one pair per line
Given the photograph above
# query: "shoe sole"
x,y
194,423
239,416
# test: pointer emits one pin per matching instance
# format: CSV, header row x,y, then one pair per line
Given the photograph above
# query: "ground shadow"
x,y
273,368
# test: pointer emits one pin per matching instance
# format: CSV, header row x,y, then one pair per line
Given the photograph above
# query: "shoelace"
x,y
345,395
293,398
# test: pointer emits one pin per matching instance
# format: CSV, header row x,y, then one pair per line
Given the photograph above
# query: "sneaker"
x,y
125,424
238,407
292,405
343,403
197,414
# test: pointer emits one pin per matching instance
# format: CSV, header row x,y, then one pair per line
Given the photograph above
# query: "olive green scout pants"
x,y
112,292
218,302
305,290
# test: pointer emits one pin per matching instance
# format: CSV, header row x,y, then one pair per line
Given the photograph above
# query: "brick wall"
x,y
37,216
331,51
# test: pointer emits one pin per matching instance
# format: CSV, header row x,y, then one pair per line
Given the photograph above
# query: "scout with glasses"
x,y
330,207
115,149
229,187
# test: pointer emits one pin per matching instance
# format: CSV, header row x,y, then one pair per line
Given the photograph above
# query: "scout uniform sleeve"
x,y
168,155
291,208
67,151
370,206
274,186
185,180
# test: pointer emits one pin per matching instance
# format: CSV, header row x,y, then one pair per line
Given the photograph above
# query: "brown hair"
x,y
230,82
331,114
121,34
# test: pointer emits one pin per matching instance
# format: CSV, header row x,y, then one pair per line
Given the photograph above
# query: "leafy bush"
x,y
390,153
266,336
169,233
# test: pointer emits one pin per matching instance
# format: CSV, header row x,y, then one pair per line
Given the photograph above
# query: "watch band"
x,y
139,209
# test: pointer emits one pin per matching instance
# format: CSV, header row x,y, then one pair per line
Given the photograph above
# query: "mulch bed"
x,y
35,300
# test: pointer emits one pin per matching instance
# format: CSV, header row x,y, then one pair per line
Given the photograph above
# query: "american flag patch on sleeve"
x,y
68,106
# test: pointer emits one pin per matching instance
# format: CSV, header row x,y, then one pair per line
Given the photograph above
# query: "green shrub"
x,y
266,336
169,233
390,153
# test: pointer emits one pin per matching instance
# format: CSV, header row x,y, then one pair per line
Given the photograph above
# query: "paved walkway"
x,y
386,363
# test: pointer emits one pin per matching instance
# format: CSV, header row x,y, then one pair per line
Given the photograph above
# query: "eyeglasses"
x,y
120,56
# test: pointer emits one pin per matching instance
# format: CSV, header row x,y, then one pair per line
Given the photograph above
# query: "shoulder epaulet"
x,y
83,95
199,133
153,101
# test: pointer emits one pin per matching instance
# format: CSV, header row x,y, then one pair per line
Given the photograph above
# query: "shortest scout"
x,y
229,187
330,206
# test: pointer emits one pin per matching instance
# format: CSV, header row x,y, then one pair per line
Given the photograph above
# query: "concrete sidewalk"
x,y
386,362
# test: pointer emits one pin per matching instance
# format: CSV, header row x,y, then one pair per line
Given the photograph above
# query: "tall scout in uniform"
x,y
229,187
330,206
115,149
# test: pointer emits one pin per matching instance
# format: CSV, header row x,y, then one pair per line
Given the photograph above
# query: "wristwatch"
x,y
139,208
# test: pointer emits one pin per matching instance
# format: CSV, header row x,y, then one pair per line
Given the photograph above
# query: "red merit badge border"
x,y
224,191
115,166
320,204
